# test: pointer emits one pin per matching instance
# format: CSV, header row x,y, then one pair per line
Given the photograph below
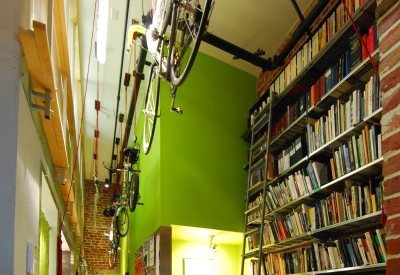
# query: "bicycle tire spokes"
x,y
122,222
151,108
190,21
112,256
133,192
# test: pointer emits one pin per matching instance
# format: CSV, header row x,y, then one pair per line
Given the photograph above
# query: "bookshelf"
x,y
315,189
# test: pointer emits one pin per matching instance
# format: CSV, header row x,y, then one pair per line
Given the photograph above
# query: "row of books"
x,y
256,110
358,151
258,175
301,182
351,203
311,48
362,249
298,184
291,155
343,115
253,204
361,103
340,206
254,268
292,113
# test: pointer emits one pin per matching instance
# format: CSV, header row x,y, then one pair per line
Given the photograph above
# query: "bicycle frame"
x,y
155,36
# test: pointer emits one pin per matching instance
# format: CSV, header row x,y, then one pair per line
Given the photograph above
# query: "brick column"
x,y
95,243
388,17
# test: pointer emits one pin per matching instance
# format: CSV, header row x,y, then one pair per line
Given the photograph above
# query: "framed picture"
x,y
193,266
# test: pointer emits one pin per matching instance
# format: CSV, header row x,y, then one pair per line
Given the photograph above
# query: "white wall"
x,y
28,178
21,157
10,19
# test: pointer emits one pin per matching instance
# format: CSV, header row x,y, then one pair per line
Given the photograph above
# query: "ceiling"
x,y
250,25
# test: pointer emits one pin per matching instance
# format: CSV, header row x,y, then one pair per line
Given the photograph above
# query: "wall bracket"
x,y
63,172
47,103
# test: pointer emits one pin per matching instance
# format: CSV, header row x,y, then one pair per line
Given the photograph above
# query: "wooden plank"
x,y
56,123
37,52
62,42
61,34
27,40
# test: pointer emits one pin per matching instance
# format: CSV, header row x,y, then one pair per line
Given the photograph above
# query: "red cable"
x,y
359,37
134,86
97,125
83,112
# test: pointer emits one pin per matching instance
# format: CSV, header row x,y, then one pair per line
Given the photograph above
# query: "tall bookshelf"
x,y
314,190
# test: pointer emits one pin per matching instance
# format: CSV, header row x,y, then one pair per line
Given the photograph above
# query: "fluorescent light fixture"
x,y
102,22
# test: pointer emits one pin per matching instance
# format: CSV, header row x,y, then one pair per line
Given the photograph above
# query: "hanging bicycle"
x,y
130,197
188,20
114,246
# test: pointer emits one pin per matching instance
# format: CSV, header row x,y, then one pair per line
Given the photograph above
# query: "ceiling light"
x,y
102,22
107,183
213,246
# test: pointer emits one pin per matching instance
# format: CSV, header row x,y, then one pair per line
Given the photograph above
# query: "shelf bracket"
x,y
63,172
47,103
69,209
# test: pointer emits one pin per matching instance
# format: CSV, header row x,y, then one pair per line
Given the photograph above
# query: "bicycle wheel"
x,y
112,255
189,24
133,192
115,237
122,222
151,107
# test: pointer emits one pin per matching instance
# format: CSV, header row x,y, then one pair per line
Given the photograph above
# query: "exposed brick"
x,y
389,102
388,21
393,267
391,143
392,207
393,246
391,165
389,61
391,80
95,243
389,40
392,186
394,123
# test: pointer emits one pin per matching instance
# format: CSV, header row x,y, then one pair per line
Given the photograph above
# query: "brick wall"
x,y
264,79
95,244
388,15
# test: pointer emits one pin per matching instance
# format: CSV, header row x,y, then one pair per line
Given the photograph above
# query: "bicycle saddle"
x,y
108,211
132,154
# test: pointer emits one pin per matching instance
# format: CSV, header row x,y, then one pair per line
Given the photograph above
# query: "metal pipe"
x,y
141,62
234,50
271,63
119,84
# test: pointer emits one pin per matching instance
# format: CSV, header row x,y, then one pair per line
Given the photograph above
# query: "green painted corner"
x,y
202,155
194,175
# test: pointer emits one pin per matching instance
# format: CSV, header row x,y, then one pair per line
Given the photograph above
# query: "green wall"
x,y
194,173
202,154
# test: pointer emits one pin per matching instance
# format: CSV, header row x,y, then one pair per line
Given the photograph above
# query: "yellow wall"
x,y
227,259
